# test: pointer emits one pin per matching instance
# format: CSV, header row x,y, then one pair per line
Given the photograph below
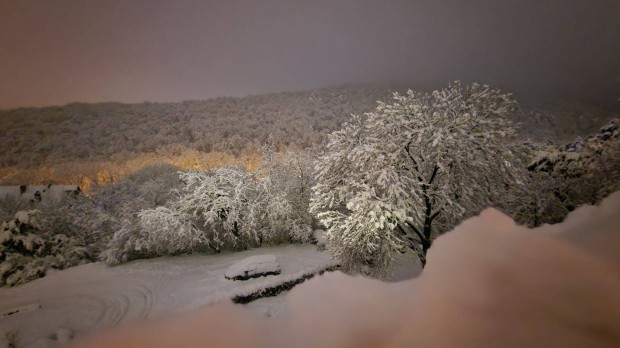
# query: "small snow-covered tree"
x,y
283,183
410,170
219,199
149,187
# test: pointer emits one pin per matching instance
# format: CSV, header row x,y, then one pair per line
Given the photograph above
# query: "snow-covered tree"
x,y
78,218
209,214
283,184
410,170
156,232
219,199
150,187
224,208
243,209
27,253
562,178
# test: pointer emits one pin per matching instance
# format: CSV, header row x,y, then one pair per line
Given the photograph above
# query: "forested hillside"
x,y
86,144
52,143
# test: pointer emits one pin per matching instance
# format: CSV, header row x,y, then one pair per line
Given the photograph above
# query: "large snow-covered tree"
x,y
399,176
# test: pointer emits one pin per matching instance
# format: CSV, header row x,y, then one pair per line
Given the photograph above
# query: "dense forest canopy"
x,y
42,138
82,143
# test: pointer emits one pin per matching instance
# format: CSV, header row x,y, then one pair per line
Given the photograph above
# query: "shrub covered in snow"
x,y
220,200
156,232
10,204
207,213
150,187
26,253
78,218
225,208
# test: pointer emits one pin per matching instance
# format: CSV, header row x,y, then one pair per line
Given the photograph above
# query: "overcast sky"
x,y
54,52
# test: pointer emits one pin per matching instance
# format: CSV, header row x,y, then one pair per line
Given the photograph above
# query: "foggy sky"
x,y
54,52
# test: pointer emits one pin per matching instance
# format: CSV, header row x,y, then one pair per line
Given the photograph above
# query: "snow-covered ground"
x,y
406,266
271,307
94,296
489,283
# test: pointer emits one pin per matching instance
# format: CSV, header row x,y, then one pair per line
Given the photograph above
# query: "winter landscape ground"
x,y
92,297
551,286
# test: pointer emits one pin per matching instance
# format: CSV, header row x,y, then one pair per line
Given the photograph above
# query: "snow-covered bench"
x,y
252,267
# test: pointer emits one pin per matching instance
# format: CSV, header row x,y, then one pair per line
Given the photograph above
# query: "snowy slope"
x,y
94,296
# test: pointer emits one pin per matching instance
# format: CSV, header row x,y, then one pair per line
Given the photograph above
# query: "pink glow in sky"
x,y
54,52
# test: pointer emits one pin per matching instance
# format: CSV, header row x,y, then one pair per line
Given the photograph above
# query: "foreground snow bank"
x,y
91,297
253,267
487,283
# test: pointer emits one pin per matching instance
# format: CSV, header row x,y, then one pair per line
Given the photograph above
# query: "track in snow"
x,y
91,297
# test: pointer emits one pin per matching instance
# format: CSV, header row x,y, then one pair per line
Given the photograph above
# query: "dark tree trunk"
x,y
235,232
425,247
425,234
429,216
421,239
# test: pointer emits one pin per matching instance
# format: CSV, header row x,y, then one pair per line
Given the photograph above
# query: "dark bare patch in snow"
x,y
278,289
21,309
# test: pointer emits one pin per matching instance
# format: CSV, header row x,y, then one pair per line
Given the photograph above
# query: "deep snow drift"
x,y
487,283
90,297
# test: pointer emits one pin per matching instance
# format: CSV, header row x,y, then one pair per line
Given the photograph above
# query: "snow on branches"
x,y
411,169
27,252
562,178
224,208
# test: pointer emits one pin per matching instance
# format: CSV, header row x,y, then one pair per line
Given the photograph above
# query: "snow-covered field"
x,y
91,297
488,283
